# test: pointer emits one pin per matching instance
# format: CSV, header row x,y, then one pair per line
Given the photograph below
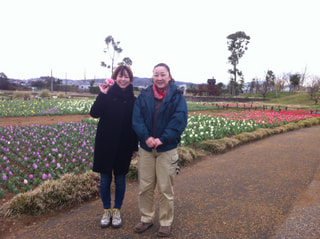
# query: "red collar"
x,y
158,94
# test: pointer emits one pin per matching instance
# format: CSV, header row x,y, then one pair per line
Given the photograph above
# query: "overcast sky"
x,y
67,37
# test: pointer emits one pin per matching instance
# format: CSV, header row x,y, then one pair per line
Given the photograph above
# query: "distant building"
x,y
84,86
140,87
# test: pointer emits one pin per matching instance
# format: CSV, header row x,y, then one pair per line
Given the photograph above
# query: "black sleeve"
x,y
96,110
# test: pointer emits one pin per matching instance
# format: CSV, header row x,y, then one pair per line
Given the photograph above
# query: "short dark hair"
x,y
120,69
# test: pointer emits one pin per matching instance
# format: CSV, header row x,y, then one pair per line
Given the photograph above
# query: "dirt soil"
x,y
41,120
55,119
266,189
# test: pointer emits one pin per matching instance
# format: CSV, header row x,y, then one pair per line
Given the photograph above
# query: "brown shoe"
x,y
142,226
164,231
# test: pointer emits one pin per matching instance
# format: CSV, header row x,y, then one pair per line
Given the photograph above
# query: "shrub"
x,y
61,95
52,195
291,126
44,94
213,146
314,120
23,95
279,130
263,132
186,155
245,137
230,142
305,123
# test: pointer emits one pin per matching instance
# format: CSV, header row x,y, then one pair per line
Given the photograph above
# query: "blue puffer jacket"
x,y
172,118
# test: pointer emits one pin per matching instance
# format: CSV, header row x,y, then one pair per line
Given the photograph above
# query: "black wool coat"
x,y
115,139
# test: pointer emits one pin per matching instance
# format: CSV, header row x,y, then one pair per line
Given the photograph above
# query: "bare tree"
x,y
280,83
303,77
313,89
113,50
258,86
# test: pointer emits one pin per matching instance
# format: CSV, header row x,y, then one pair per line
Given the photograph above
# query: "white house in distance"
x,y
84,86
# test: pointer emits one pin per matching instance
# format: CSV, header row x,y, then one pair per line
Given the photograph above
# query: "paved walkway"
x,y
266,189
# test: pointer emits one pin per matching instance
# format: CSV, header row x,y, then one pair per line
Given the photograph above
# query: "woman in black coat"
x,y
116,142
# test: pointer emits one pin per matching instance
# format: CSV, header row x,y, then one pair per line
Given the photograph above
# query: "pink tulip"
x,y
109,81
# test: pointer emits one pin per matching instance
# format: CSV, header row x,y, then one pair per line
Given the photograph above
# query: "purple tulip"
x,y
4,177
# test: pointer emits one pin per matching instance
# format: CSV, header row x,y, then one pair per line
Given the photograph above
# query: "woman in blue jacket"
x,y
160,116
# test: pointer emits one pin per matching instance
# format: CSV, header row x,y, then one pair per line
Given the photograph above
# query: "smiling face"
x,y
123,79
161,78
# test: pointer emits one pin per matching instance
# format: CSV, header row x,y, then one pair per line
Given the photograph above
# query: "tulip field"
x,y
203,127
32,154
33,107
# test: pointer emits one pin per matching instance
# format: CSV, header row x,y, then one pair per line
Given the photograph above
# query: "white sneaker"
x,y
106,218
116,218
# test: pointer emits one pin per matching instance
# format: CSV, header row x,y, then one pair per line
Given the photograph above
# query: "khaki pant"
x,y
157,169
